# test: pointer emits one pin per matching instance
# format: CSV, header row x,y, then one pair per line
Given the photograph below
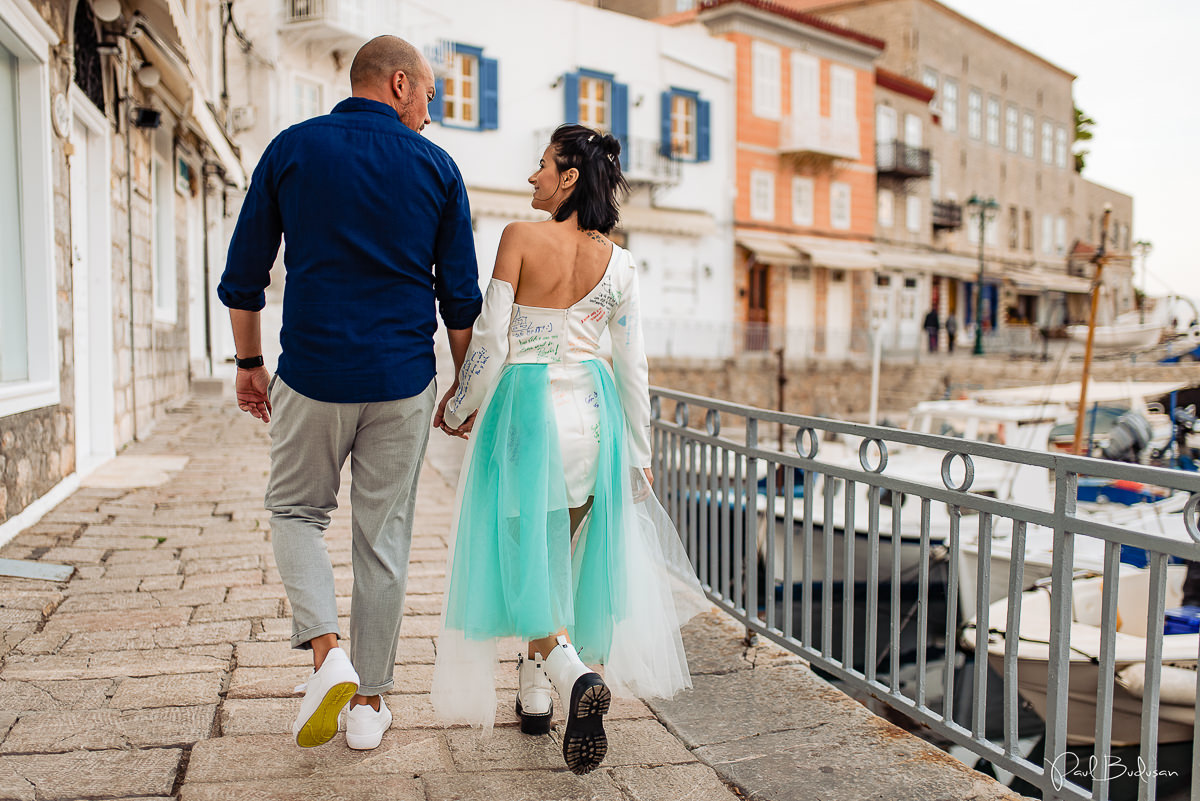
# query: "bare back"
x,y
559,264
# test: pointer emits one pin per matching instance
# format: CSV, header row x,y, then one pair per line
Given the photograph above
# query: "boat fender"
x,y
1177,686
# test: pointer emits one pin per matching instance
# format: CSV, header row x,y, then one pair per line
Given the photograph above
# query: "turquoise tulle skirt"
x,y
622,592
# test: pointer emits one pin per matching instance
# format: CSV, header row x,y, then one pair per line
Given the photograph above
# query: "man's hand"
x,y
251,388
439,416
463,431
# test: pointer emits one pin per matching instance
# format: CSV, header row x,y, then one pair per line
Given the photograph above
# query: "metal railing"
x,y
897,158
906,511
947,214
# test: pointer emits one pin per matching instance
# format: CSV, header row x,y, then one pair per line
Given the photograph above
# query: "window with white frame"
x,y
762,194
806,86
843,97
1027,135
28,336
950,104
1060,147
685,5
306,99
1047,143
929,77
912,214
594,102
1060,236
766,80
975,114
887,208
1047,234
993,121
1012,128
14,356
460,90
162,248
935,179
802,201
839,205
683,126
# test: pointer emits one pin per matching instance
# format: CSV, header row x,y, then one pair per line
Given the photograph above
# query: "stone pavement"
x,y
162,669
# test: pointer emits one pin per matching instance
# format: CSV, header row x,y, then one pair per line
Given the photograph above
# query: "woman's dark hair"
x,y
596,156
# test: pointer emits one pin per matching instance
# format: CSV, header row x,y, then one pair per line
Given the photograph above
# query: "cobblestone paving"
x,y
162,668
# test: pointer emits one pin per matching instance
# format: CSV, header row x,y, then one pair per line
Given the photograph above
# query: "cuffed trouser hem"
x,y
376,689
301,639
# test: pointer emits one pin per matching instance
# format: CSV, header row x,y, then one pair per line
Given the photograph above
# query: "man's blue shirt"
x,y
376,225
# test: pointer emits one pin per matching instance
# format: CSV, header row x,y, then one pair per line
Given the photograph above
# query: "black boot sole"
x,y
584,743
535,724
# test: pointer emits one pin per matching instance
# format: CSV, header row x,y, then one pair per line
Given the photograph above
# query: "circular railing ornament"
x,y
1189,516
808,451
864,450
681,414
712,422
968,472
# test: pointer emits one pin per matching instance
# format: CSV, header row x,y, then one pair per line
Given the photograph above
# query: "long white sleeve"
x,y
486,354
629,362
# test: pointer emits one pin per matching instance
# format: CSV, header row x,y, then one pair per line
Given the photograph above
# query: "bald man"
x,y
379,243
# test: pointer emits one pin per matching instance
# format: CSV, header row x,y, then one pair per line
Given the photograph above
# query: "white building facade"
x,y
667,94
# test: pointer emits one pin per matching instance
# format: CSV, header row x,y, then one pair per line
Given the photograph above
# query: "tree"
x,y
1083,133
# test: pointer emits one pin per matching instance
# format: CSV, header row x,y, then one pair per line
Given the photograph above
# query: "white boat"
x,y
1130,330
1177,711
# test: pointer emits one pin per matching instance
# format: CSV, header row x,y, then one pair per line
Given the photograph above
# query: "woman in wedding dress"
x,y
557,538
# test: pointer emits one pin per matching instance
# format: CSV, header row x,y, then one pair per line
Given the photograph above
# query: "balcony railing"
x,y
901,160
642,161
339,19
947,215
820,136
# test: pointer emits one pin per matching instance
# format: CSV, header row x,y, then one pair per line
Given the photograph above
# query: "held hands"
x,y
250,387
439,417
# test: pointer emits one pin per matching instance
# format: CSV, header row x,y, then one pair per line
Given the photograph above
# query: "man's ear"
x,y
398,83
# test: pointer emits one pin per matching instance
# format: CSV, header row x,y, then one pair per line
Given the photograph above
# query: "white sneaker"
x,y
365,726
586,697
325,693
535,704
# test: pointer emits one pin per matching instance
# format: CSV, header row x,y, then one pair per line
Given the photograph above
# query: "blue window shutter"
x,y
664,144
620,119
571,97
489,94
438,106
702,129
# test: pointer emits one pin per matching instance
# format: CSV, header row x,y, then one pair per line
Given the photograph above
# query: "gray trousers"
x,y
310,441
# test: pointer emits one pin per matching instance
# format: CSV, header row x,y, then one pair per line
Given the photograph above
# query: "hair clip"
x,y
591,137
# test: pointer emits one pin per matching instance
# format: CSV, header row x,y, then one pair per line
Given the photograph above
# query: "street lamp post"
x,y
985,209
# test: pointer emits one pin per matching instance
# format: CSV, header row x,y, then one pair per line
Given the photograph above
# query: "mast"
x,y
1099,260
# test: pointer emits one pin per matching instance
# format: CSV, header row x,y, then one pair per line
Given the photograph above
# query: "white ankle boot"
x,y
586,698
535,704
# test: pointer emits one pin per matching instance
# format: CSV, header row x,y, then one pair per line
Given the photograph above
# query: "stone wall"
x,y
842,390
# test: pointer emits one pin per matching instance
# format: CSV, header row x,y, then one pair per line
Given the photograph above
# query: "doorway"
x,y
91,281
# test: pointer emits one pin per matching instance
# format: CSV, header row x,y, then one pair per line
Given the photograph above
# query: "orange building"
x,y
804,213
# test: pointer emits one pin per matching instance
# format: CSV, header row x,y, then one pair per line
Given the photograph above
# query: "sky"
x,y
1139,79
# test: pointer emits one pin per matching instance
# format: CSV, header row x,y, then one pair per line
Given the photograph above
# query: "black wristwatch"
x,y
248,364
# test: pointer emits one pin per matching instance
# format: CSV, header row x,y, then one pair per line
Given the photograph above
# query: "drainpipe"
x,y
125,110
208,349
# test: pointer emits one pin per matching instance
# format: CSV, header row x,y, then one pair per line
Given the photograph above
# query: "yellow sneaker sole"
x,y
323,724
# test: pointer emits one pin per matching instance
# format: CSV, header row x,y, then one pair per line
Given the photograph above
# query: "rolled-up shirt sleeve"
x,y
255,241
456,271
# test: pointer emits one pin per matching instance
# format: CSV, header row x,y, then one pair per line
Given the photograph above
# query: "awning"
x,y
216,137
507,205
959,267
769,248
666,221
900,259
1043,280
837,253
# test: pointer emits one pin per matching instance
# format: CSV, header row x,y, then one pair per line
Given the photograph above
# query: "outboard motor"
x,y
1128,438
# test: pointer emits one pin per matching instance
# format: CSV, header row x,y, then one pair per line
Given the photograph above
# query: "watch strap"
x,y
248,363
